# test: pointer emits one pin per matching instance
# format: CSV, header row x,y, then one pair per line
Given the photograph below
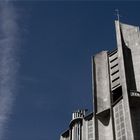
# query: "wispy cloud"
x,y
9,46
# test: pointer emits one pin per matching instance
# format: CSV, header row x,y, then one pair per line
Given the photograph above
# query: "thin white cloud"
x,y
9,38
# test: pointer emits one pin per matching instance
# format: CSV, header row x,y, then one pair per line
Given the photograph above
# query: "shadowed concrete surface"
x,y
116,93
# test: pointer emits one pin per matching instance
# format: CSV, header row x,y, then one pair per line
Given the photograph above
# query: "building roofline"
x,y
65,133
89,116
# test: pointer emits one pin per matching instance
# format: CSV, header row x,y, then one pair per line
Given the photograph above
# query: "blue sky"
x,y
58,40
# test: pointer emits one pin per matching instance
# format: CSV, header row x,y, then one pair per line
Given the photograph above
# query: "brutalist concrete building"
x,y
80,127
116,92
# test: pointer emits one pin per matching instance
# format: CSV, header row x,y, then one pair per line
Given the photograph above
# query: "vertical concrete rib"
x,y
131,37
103,120
123,82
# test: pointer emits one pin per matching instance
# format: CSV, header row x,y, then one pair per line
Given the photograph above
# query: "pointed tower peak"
x,y
117,14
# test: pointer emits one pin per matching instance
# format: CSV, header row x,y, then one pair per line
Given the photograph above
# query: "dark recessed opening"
x,y
115,79
113,73
114,59
114,66
117,93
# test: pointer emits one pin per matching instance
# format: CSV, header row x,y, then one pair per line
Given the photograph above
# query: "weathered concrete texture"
x,y
128,40
132,40
119,120
102,91
131,36
116,75
103,122
123,81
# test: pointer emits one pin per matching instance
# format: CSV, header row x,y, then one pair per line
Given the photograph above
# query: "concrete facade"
x,y
116,84
81,127
116,92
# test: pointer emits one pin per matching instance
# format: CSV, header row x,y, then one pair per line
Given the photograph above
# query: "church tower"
x,y
116,84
